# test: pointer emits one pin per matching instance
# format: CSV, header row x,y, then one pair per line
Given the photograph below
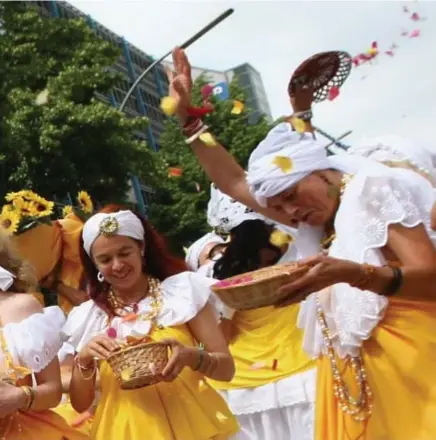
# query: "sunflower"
x,y
26,209
10,197
85,201
9,221
43,207
67,210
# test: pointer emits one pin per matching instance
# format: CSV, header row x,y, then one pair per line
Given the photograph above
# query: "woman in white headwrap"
x,y
140,292
273,390
374,313
199,252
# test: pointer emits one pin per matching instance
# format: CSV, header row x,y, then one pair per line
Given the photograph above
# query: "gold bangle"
x,y
30,397
363,281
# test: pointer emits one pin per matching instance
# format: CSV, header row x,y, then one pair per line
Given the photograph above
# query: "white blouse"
x,y
183,297
372,201
34,342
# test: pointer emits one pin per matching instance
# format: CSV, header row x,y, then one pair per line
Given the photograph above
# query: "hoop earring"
x,y
100,277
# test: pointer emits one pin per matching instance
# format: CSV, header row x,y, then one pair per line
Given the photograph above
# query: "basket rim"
x,y
127,349
295,265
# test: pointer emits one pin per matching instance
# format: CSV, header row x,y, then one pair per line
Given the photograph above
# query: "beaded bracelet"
x,y
82,368
30,397
362,282
396,283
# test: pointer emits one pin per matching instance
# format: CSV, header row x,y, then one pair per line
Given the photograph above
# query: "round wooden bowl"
x,y
259,288
322,72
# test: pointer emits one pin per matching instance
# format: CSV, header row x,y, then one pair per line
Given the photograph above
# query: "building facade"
x,y
145,101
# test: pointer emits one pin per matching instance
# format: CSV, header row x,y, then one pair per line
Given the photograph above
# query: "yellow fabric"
x,y
262,336
38,426
72,417
71,270
400,360
42,247
185,409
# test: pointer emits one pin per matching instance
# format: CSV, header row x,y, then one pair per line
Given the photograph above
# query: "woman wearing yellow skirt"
x,y
29,342
273,391
377,219
140,291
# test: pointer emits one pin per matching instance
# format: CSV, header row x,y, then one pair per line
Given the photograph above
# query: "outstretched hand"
x,y
324,272
180,83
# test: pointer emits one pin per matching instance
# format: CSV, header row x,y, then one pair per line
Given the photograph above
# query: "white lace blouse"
x,y
372,201
34,342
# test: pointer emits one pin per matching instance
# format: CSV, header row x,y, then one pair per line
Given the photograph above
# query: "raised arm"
x,y
219,165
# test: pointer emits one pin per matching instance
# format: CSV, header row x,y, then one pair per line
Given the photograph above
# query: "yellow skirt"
x,y
185,409
44,425
400,361
81,422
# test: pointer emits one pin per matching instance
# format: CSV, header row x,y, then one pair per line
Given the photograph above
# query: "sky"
x,y
393,95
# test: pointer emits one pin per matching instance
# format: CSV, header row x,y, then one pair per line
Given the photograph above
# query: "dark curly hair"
x,y
243,252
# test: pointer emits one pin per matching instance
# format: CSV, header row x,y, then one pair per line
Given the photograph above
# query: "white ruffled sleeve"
x,y
83,323
371,203
34,342
184,295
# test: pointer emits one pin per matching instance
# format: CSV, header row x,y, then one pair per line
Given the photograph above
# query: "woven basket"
x,y
131,365
261,287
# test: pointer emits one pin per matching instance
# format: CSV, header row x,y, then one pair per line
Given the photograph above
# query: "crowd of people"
x,y
347,355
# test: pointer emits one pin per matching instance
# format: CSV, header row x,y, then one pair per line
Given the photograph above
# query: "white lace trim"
x,y
183,296
292,390
371,203
34,342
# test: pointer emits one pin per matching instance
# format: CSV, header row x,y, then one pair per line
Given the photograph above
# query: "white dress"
x,y
282,410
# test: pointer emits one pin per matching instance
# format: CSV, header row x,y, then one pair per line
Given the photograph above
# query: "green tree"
x,y
179,210
56,137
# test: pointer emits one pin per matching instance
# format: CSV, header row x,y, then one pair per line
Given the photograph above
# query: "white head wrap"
x,y
225,213
194,251
266,178
6,279
118,223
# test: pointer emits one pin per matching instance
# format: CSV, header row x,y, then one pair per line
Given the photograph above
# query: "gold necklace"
x,y
154,291
327,241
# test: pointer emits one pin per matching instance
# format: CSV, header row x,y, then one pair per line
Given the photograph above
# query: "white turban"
x,y
194,251
281,160
118,223
225,213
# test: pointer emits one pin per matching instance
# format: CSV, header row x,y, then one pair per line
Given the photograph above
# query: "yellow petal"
x,y
126,373
185,250
284,163
238,107
168,105
42,98
208,139
372,51
221,417
298,124
280,238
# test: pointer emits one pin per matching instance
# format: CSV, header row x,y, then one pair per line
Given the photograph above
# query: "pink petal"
x,y
333,93
415,33
111,333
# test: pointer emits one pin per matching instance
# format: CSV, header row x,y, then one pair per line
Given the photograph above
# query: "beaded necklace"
x,y
360,409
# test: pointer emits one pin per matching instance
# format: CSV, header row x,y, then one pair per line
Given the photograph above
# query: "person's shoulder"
x,y
18,306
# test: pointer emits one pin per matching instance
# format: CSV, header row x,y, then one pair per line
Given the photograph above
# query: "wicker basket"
x,y
259,288
132,365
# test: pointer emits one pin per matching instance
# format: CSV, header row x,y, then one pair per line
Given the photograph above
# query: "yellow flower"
x,y
85,201
298,124
9,221
168,105
126,374
238,107
284,163
8,207
67,210
208,139
10,197
26,209
279,238
43,207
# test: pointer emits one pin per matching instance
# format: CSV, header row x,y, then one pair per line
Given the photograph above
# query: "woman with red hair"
x,y
139,290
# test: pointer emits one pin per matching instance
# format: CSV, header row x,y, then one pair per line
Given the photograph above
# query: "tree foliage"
x,y
179,210
71,140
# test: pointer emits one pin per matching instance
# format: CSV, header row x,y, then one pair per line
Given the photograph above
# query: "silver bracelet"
x,y
305,116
